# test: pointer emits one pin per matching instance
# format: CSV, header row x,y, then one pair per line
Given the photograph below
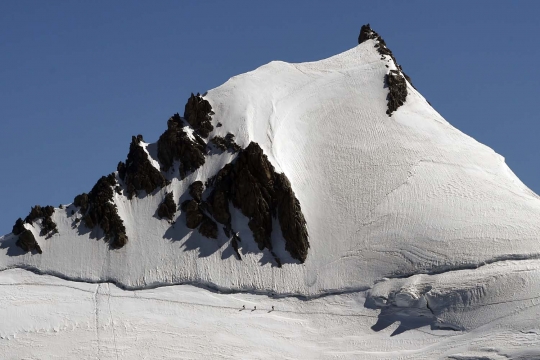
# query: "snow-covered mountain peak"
x,y
302,178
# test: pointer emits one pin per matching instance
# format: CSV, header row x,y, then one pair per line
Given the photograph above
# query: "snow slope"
x,y
48,318
382,196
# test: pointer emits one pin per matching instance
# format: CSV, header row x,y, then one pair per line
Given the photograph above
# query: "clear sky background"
x,y
79,78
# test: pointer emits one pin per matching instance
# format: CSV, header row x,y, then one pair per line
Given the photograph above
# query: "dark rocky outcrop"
x,y
253,192
197,212
226,143
291,219
197,114
194,215
18,228
26,240
219,197
195,190
138,173
81,201
254,187
395,80
397,91
48,226
174,144
97,209
208,228
167,208
366,33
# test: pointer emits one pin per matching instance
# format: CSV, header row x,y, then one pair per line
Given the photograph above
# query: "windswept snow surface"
x,y
44,317
404,213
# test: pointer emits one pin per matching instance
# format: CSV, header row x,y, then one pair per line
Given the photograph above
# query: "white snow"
x,y
386,199
44,317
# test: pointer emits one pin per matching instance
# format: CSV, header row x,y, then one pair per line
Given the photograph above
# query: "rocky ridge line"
x,y
395,79
175,144
137,172
249,182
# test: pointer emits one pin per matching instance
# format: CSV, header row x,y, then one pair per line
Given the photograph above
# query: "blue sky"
x,y
79,78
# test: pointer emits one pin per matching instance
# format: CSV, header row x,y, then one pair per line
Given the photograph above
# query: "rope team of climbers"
x,y
254,308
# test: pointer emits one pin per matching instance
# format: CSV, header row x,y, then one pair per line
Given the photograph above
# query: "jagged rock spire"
x,y
366,33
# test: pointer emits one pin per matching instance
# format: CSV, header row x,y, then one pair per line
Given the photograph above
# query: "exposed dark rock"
x,y
367,33
199,141
291,219
226,143
398,91
194,216
28,242
253,192
38,212
44,213
219,142
197,212
167,208
97,208
219,198
261,194
82,202
18,228
396,79
121,168
174,144
48,226
209,228
138,173
197,114
195,190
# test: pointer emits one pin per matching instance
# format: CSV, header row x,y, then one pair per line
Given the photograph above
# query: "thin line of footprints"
x,y
254,308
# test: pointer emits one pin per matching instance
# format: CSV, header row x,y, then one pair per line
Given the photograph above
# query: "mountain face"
x,y
301,179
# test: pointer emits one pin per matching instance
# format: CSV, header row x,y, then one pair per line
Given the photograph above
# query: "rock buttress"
x,y
48,226
138,173
98,209
196,212
253,191
26,240
167,208
226,143
253,186
198,114
291,219
174,144
397,91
